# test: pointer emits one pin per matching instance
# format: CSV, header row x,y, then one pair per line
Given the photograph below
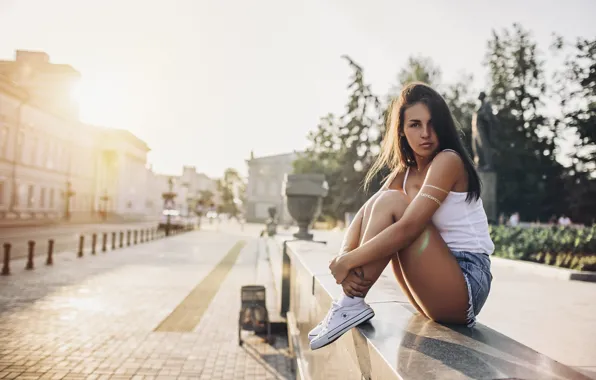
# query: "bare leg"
x,y
429,271
370,228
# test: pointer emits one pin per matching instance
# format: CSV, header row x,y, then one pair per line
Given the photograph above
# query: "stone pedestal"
x,y
489,194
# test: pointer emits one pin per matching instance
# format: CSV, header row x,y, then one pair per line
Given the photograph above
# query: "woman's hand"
x,y
339,268
355,285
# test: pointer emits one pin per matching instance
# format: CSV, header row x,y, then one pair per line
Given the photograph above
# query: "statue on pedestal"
x,y
483,124
271,222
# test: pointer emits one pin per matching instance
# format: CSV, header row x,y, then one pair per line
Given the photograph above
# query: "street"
x,y
66,237
126,314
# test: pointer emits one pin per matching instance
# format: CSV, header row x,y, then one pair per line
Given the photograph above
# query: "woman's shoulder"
x,y
449,157
395,180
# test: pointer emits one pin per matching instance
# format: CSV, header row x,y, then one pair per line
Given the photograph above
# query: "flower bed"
x,y
573,248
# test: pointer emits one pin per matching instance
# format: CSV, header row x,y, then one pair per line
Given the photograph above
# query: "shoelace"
x,y
334,307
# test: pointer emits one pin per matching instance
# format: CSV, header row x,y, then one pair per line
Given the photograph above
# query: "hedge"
x,y
565,247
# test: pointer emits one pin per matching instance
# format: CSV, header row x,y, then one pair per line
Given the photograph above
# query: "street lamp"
x,y
168,200
104,200
67,195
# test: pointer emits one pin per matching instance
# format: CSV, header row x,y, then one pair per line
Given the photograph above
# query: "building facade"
x,y
53,166
43,156
265,184
123,179
188,188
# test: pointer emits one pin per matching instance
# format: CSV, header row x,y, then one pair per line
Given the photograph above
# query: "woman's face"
x,y
419,131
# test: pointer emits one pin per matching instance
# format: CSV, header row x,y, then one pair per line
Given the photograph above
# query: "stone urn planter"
x,y
304,197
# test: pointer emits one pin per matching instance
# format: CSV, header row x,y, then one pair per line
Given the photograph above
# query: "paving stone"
x,y
94,318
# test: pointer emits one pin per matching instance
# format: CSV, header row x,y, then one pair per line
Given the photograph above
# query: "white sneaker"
x,y
315,331
339,320
318,328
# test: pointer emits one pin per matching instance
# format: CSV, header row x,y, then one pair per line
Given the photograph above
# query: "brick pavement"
x,y
93,318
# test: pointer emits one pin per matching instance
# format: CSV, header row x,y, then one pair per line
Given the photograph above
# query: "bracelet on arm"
x,y
430,197
438,188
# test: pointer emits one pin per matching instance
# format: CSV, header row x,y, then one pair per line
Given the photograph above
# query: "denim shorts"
x,y
476,270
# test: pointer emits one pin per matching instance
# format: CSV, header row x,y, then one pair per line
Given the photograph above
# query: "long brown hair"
x,y
396,153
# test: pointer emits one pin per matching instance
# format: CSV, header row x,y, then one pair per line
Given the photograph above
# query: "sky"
x,y
204,83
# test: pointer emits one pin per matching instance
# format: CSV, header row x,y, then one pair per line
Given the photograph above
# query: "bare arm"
x,y
443,174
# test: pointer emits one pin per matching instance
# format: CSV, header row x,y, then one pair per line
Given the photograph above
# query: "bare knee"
x,y
391,201
370,202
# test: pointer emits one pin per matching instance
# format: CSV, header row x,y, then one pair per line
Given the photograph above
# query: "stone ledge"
x,y
398,343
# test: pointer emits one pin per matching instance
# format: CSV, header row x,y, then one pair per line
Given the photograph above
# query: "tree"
x,y
343,148
417,69
461,102
529,177
206,197
577,86
228,188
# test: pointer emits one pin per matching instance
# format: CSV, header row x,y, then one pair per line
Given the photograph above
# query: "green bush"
x,y
565,247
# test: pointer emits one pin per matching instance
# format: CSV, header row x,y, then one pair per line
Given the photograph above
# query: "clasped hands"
x,y
351,280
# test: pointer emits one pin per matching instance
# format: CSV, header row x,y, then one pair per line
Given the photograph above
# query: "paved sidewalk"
x,y
94,318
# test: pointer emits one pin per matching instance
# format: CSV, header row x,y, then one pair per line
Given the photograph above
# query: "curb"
x,y
545,270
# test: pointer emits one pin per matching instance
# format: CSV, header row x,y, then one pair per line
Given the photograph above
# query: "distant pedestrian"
x,y
514,219
564,221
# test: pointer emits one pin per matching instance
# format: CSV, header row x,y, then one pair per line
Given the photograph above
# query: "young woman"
x,y
427,220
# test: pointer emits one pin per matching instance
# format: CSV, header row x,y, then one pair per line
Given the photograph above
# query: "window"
x,y
43,148
30,196
16,195
42,197
33,151
50,155
51,200
56,160
260,188
20,142
3,140
273,189
59,158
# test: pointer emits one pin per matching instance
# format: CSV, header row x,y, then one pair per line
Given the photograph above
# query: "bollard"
x,y
149,233
30,254
6,263
50,260
104,242
81,245
128,238
113,241
93,242
121,239
135,238
142,236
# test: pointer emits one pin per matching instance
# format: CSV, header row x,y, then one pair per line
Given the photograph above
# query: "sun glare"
x,y
98,99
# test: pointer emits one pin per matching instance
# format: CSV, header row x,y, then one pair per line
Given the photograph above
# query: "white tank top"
x,y
462,225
